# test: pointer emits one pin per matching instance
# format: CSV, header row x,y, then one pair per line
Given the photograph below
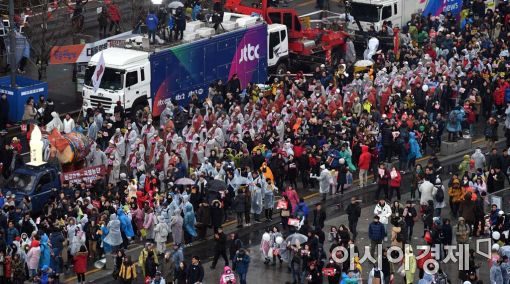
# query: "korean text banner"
x,y
87,175
66,54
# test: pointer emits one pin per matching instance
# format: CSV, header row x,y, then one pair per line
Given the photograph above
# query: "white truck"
x,y
399,12
248,48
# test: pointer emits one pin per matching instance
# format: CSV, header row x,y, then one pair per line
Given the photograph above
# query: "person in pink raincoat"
x,y
292,195
228,276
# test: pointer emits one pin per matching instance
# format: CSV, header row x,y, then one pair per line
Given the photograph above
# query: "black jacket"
x,y
319,216
220,243
195,273
353,212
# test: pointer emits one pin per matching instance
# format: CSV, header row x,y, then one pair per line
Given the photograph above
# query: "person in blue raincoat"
x,y
125,224
269,191
107,248
346,154
453,124
152,25
189,224
44,260
197,8
414,150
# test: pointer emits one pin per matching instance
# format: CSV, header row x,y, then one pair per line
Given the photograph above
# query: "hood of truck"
x,y
107,98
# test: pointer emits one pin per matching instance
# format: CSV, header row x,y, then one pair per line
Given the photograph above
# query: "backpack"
x,y
377,279
439,197
452,118
442,278
400,236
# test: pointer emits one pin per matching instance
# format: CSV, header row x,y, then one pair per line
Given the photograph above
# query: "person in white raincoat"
x,y
116,162
96,157
119,142
257,196
55,123
114,237
265,247
166,114
325,181
148,132
95,126
161,234
269,190
130,139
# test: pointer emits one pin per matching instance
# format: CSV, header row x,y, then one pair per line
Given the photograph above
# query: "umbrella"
x,y
363,63
175,4
216,185
240,180
185,181
296,237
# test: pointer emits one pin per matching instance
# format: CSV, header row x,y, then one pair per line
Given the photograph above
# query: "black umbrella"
x,y
216,185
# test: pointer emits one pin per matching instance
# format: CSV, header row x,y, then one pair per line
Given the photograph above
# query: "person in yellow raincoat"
x,y
266,172
409,265
367,106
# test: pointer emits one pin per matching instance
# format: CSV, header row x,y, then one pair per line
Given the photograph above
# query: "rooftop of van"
x,y
116,56
374,2
122,56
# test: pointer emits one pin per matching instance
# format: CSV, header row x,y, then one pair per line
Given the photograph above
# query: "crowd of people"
x,y
249,154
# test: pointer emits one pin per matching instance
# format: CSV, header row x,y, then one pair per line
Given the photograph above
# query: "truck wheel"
x,y
137,112
335,57
281,69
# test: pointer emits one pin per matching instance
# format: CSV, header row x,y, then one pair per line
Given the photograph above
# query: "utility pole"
x,y
12,45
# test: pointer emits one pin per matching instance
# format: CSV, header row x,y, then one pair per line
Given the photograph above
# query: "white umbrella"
x,y
185,181
175,4
363,63
240,180
296,238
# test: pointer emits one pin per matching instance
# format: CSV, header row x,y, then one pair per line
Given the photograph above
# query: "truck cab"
x,y
126,78
374,13
278,49
37,182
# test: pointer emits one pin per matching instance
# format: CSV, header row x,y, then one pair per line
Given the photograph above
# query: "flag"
x,y
98,73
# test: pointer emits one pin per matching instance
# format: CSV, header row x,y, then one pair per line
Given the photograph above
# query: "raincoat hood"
x,y
364,149
113,217
227,270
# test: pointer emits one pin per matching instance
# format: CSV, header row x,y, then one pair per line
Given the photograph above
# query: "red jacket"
x,y
113,13
364,158
395,182
80,262
499,93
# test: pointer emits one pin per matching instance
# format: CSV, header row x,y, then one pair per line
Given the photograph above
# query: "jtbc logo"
x,y
249,53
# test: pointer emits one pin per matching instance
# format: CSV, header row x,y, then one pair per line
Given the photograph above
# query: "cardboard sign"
x,y
293,222
330,271
281,204
228,277
87,175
